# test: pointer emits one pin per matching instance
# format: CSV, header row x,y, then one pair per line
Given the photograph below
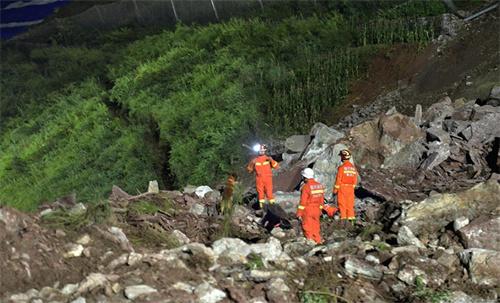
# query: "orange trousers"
x,y
311,224
264,186
345,199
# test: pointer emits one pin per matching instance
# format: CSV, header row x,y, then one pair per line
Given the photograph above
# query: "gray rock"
x,y
417,118
277,291
435,133
118,194
483,265
406,237
198,209
206,293
78,209
409,156
79,300
45,212
450,261
73,250
437,154
485,128
265,275
460,222
184,287
355,267
495,92
19,298
153,187
134,258
439,111
323,136
326,166
180,237
201,191
200,252
481,233
92,281
408,274
288,201
297,143
121,238
439,210
269,251
132,292
231,249
69,289
461,297
298,247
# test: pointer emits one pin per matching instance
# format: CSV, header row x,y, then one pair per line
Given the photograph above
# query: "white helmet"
x,y
308,173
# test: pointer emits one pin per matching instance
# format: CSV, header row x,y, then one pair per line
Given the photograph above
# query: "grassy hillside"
x,y
126,107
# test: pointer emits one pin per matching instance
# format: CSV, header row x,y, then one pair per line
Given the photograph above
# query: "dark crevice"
x,y
493,158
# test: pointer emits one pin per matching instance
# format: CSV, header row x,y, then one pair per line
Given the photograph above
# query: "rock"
x,y
69,289
439,210
73,250
79,208
118,194
437,154
372,259
208,294
288,201
322,137
406,237
458,103
460,222
231,249
18,298
298,247
92,281
180,237
121,238
439,111
45,212
198,209
269,251
134,258
83,240
461,297
495,92
417,118
60,233
184,287
483,265
409,273
132,292
481,233
79,300
450,261
264,275
200,252
297,143
355,267
435,133
153,187
277,291
200,191
409,156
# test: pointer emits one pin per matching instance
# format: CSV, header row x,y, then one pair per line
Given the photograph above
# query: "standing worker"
x,y
345,182
263,166
312,197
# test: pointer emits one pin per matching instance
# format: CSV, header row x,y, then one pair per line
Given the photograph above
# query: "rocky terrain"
x,y
428,225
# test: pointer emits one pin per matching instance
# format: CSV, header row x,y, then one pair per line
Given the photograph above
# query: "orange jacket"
x,y
311,198
347,175
262,165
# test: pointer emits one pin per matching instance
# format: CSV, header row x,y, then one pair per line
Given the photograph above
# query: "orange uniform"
x,y
310,208
263,166
345,182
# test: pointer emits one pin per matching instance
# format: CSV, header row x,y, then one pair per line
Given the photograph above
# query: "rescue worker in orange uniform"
x,y
263,166
311,205
345,182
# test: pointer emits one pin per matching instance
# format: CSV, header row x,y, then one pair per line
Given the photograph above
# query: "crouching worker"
x,y
311,206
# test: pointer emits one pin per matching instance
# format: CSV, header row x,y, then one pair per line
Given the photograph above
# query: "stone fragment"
x,y
231,249
483,265
460,222
406,237
153,187
73,250
355,267
83,240
132,292
206,293
481,233
297,143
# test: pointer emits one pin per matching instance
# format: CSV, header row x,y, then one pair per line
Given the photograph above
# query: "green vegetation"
x,y
124,108
254,262
428,295
73,221
150,207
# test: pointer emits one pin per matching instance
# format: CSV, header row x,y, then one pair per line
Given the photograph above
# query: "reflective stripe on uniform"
x,y
301,207
318,191
262,200
274,164
321,207
272,200
337,186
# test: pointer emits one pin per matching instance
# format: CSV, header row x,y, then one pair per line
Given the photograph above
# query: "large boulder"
x,y
481,233
388,140
326,166
436,113
439,210
231,250
297,143
483,265
323,136
269,251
